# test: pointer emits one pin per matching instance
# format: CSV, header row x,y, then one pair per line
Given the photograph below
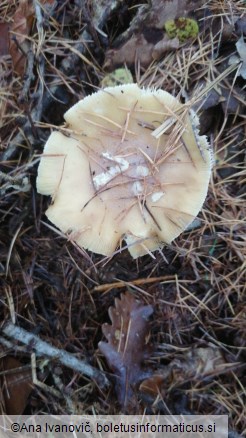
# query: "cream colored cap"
x,y
130,166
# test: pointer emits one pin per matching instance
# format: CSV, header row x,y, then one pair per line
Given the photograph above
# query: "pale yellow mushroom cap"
x,y
130,165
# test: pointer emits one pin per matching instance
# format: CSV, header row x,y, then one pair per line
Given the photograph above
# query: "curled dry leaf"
x,y
127,345
193,364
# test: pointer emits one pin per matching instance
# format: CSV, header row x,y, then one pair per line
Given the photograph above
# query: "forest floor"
x,y
191,354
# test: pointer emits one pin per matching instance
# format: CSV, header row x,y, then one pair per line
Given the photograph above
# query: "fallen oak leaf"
x,y
126,347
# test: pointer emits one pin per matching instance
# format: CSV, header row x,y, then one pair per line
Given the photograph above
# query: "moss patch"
x,y
117,77
183,28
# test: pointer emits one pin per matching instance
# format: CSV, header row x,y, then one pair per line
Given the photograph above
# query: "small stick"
x,y
151,215
28,77
139,281
42,348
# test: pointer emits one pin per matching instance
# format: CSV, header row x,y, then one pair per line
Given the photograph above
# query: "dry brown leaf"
x,y
4,39
137,48
15,384
126,347
152,385
20,29
194,364
140,48
165,45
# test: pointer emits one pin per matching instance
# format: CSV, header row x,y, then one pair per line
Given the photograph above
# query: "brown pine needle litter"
x,y
59,294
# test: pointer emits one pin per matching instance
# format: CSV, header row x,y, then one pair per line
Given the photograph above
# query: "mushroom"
x,y
129,165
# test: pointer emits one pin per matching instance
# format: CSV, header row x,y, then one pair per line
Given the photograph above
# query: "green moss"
x,y
183,28
117,77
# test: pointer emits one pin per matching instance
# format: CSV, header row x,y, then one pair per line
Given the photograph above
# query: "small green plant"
x,y
117,77
183,28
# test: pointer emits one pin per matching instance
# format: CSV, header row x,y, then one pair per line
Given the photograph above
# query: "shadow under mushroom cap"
x,y
114,175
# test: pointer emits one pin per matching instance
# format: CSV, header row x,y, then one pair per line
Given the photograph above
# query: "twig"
x,y
39,18
28,77
42,348
18,182
88,19
119,284
37,382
